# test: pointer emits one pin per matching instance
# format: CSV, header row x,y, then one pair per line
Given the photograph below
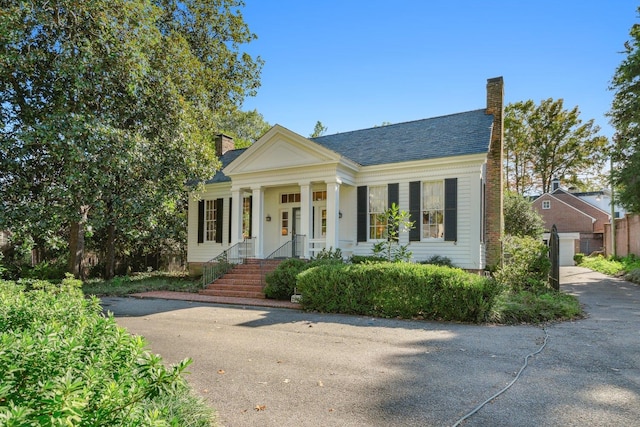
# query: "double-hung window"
x,y
377,208
433,206
210,218
433,210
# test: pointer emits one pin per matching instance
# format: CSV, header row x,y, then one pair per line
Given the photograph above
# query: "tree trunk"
x,y
73,265
76,244
111,252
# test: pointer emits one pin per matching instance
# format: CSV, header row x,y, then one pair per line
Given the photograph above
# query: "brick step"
x,y
249,269
243,281
237,282
232,293
242,276
232,286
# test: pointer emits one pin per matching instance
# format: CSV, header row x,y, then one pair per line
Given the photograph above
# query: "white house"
x,y
325,192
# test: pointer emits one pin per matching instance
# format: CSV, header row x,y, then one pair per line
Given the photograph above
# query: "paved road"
x,y
277,367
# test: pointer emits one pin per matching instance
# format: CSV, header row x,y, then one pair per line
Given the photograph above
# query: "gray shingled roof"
x,y
445,136
226,159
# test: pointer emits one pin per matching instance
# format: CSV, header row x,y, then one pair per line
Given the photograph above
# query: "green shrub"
x,y
365,259
578,258
526,264
142,282
329,254
604,265
630,262
281,282
520,219
398,290
2,267
63,363
438,260
633,276
47,270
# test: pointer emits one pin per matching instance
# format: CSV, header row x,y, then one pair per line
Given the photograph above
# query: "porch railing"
x,y
223,263
294,248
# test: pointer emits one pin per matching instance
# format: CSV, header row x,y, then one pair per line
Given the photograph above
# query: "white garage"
x,y
567,247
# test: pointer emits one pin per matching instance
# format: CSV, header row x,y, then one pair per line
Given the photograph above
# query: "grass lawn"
x,y
142,282
627,267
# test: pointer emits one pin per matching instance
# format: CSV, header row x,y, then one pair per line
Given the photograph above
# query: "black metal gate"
x,y
554,256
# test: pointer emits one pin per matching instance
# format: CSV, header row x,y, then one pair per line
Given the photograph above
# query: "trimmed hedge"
x,y
404,290
63,363
281,282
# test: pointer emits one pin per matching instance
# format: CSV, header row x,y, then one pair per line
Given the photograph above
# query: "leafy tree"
x,y
107,108
625,118
397,221
383,124
245,127
520,219
318,130
546,141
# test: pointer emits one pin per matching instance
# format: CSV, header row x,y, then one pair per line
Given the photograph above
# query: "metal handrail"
x,y
287,249
223,263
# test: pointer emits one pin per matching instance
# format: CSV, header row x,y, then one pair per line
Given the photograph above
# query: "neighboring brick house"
x,y
579,223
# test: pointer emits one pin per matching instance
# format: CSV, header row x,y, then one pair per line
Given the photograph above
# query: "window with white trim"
x,y
289,198
546,204
433,210
377,207
319,196
210,218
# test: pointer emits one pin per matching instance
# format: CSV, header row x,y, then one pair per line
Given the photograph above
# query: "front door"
x,y
295,223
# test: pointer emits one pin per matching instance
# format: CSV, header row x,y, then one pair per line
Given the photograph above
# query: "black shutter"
x,y
219,204
393,194
451,209
201,221
363,207
230,217
414,211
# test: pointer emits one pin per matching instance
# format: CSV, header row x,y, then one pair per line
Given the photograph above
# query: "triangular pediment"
x,y
280,149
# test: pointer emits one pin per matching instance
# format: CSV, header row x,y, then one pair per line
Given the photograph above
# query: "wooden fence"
x,y
627,236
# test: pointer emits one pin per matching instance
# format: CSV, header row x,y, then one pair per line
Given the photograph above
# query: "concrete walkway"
x,y
262,366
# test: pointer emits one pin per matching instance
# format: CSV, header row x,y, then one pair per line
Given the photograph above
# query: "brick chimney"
x,y
494,220
224,143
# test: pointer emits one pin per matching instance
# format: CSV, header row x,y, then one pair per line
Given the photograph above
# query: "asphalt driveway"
x,y
279,367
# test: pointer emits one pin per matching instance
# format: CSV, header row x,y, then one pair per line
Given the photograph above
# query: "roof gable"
x,y
580,204
281,148
444,136
551,197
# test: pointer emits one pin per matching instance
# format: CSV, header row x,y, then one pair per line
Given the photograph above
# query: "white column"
x,y
333,212
236,216
257,218
305,226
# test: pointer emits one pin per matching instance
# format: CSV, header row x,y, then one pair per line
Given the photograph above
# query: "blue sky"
x,y
357,64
